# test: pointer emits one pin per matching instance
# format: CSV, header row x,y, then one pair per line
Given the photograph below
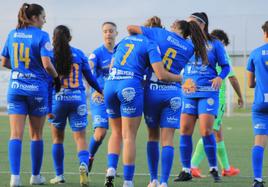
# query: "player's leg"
x,y
187,123
208,109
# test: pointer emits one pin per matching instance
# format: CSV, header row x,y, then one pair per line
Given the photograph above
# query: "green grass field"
x,y
238,138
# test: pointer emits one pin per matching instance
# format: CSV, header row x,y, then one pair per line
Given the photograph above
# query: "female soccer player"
x,y
27,53
163,97
199,153
124,96
100,61
257,78
201,84
71,65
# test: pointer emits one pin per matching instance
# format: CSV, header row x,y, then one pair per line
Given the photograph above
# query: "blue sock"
x,y
37,151
167,161
210,149
14,155
186,148
58,158
257,161
83,156
93,146
112,160
129,172
153,158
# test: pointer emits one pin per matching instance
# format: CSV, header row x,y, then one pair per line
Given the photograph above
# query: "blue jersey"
x,y
25,47
132,56
175,50
202,75
100,61
258,64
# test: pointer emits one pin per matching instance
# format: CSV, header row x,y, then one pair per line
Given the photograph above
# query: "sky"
x,y
241,19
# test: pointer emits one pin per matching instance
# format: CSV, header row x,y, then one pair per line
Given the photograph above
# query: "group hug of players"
x,y
172,76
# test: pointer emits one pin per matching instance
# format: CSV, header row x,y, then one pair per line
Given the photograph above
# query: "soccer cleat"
x,y
37,180
196,172
83,175
231,172
90,163
215,174
257,183
153,183
109,181
15,181
128,184
183,176
163,185
57,180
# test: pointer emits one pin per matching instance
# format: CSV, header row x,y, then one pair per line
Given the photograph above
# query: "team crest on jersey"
x,y
175,103
82,110
210,101
48,46
128,93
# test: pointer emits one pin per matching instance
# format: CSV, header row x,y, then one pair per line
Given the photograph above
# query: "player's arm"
x,y
48,66
236,86
251,80
134,29
6,62
163,75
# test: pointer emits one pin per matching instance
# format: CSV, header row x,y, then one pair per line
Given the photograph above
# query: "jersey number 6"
x,y
167,60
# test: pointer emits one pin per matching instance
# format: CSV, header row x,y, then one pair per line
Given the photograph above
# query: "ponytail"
x,y
198,38
153,22
62,50
26,12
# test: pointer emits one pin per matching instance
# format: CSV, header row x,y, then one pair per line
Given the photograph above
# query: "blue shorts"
x,y
260,123
98,112
27,105
72,107
162,107
197,106
123,98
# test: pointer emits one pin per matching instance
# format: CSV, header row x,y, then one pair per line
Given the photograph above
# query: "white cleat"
x,y
37,180
57,180
128,184
153,183
15,181
163,185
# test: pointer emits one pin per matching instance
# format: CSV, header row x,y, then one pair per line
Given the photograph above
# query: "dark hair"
x,y
27,11
265,27
62,50
198,38
203,18
110,23
153,22
221,35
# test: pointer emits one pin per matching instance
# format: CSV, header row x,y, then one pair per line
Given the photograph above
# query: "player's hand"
x,y
97,97
216,83
57,84
240,102
50,116
189,86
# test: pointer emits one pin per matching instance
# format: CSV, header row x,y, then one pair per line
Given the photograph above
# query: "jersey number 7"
x,y
130,48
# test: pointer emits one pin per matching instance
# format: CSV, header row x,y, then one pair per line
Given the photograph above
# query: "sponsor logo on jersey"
x,y
18,75
25,87
110,111
11,106
38,99
259,126
128,93
175,103
22,35
82,110
176,42
61,97
210,101
98,119
162,87
266,97
210,109
264,52
80,124
189,106
48,46
129,110
149,119
43,109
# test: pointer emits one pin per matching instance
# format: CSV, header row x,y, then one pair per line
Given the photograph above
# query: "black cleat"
x,y
215,174
109,181
183,176
257,184
90,163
